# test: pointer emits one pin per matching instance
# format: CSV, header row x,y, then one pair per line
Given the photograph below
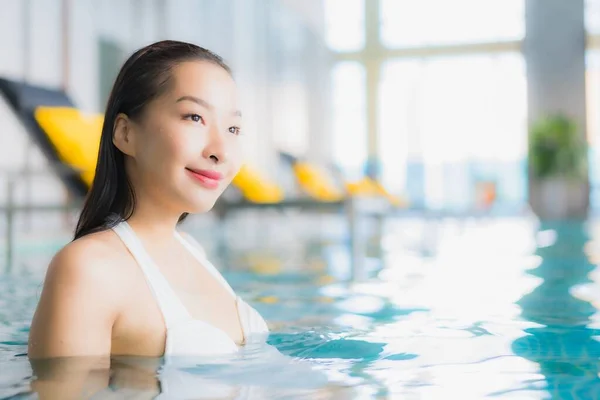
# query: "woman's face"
x,y
185,150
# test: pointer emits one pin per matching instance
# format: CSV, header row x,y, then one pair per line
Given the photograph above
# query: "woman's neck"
x,y
153,223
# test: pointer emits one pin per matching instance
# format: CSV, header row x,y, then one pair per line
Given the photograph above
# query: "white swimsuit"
x,y
187,336
257,375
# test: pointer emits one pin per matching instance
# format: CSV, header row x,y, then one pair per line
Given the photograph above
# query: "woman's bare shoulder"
x,y
92,259
83,294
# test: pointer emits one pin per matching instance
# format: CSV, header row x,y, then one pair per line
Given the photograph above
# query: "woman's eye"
x,y
235,130
193,117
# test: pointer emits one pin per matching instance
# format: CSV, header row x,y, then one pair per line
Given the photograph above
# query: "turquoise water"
x,y
460,309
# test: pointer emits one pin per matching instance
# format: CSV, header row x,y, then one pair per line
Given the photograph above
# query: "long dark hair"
x,y
143,77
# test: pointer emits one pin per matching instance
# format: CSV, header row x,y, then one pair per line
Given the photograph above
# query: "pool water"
x,y
456,309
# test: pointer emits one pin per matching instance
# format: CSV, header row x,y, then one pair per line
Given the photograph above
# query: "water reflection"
x,y
255,373
563,345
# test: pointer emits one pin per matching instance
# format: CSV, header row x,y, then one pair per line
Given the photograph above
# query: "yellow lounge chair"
x,y
370,187
315,182
319,185
256,188
75,136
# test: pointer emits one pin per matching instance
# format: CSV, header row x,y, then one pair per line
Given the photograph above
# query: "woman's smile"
x,y
207,178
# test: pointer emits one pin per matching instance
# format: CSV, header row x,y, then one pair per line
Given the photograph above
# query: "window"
x,y
345,24
593,122
592,17
592,89
593,95
449,125
445,121
349,120
290,122
410,23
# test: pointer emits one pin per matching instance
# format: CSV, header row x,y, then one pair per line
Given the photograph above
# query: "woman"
x,y
129,283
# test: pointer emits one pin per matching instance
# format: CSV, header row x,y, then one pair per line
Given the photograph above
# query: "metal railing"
x,y
11,207
353,210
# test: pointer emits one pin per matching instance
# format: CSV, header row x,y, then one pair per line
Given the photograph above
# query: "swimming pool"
x,y
502,308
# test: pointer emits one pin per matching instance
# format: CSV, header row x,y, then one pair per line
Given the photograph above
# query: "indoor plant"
x,y
558,168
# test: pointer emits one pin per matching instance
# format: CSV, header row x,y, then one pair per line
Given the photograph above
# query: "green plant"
x,y
557,148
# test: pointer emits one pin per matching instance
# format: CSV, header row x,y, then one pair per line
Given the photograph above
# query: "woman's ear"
x,y
123,135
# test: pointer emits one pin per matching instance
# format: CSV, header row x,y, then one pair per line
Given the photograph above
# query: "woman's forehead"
x,y
206,81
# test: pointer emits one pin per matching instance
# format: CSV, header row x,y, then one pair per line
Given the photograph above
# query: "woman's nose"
x,y
215,149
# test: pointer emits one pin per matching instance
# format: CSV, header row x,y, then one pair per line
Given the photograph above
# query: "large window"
x,y
448,115
592,17
345,24
592,24
349,118
444,120
290,124
593,122
408,23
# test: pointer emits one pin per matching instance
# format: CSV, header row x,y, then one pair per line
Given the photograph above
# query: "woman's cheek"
x,y
178,146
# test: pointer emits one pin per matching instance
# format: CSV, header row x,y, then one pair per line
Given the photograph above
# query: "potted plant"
x,y
558,168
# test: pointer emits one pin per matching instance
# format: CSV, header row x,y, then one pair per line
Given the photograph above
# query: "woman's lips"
x,y
207,178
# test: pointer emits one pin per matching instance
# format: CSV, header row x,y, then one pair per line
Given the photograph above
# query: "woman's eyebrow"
x,y
204,103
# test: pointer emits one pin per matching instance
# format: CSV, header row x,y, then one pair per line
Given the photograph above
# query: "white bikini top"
x,y
187,336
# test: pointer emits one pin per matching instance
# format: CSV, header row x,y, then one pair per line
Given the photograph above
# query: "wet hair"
x,y
144,76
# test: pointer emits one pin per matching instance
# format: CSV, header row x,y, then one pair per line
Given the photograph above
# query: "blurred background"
x,y
422,178
429,102
433,103
441,108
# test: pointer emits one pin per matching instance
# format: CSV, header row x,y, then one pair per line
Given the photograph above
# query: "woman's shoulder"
x,y
94,248
83,293
91,260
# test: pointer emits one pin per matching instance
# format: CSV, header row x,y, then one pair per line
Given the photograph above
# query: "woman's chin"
x,y
201,206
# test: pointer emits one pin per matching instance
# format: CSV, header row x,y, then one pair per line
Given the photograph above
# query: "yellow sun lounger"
x,y
319,185
74,135
24,99
370,187
316,183
256,188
